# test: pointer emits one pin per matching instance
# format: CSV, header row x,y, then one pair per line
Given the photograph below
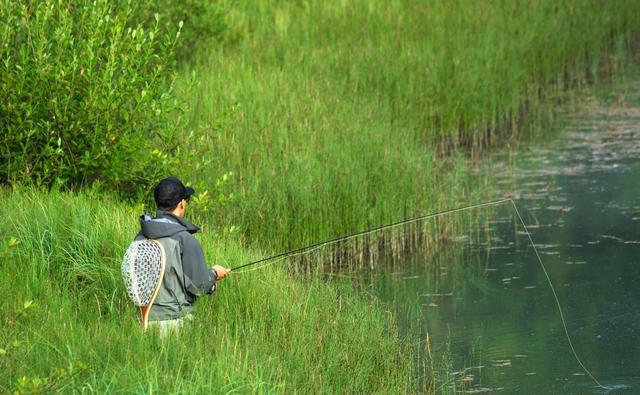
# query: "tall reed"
x,y
334,116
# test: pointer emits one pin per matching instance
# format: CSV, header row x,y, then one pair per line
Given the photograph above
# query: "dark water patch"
x,y
491,305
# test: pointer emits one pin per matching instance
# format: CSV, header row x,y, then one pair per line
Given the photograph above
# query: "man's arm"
x,y
202,278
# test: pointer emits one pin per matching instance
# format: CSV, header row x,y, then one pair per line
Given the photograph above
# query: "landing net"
x,y
142,270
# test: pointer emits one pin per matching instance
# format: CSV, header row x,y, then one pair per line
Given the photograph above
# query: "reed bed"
x,y
426,237
339,116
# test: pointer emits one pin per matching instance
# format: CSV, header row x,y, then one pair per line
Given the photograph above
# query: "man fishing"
x,y
187,275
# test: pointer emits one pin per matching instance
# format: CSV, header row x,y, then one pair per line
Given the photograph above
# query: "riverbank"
x,y
316,120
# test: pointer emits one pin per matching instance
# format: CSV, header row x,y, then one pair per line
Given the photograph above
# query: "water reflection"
x,y
491,302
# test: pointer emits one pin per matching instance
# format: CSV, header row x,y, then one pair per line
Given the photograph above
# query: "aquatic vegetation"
x,y
334,117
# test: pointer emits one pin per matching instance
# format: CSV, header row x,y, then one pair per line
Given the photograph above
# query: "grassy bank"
x,y
262,331
333,116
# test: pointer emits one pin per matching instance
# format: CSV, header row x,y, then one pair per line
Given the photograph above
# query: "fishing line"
x,y
307,249
555,296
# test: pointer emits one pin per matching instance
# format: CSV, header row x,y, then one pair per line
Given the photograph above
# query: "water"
x,y
491,305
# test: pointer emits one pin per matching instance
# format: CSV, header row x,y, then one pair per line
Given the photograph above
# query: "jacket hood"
x,y
164,224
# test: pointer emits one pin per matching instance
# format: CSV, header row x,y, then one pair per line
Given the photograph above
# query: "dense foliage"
x,y
83,96
205,23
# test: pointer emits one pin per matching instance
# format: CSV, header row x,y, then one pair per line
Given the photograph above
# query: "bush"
x,y
205,22
84,97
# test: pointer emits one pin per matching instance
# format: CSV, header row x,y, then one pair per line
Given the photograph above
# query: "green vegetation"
x,y
71,325
84,98
333,116
296,122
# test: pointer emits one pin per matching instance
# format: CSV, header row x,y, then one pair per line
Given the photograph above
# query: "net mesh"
x,y
141,270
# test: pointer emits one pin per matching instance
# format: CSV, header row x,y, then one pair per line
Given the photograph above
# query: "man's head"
x,y
171,195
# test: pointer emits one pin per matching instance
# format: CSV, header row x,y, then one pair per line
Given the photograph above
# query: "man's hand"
x,y
221,271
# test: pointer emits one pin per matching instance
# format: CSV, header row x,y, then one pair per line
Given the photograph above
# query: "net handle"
x,y
145,310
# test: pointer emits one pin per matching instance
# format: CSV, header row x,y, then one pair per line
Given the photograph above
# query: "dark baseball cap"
x,y
170,191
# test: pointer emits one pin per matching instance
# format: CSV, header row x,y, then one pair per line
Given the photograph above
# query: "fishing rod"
x,y
304,249
311,247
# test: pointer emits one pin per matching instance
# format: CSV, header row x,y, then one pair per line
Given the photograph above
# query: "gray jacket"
x,y
186,275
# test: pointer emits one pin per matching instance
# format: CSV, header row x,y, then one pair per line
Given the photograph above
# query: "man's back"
x,y
186,276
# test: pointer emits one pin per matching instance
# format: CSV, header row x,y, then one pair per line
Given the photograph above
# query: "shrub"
x,y
205,22
84,96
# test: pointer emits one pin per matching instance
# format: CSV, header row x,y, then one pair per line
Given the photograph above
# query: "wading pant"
x,y
167,326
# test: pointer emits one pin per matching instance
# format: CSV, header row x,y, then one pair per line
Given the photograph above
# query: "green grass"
x,y
262,331
333,116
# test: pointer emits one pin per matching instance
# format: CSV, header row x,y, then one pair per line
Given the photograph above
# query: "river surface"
x,y
492,307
